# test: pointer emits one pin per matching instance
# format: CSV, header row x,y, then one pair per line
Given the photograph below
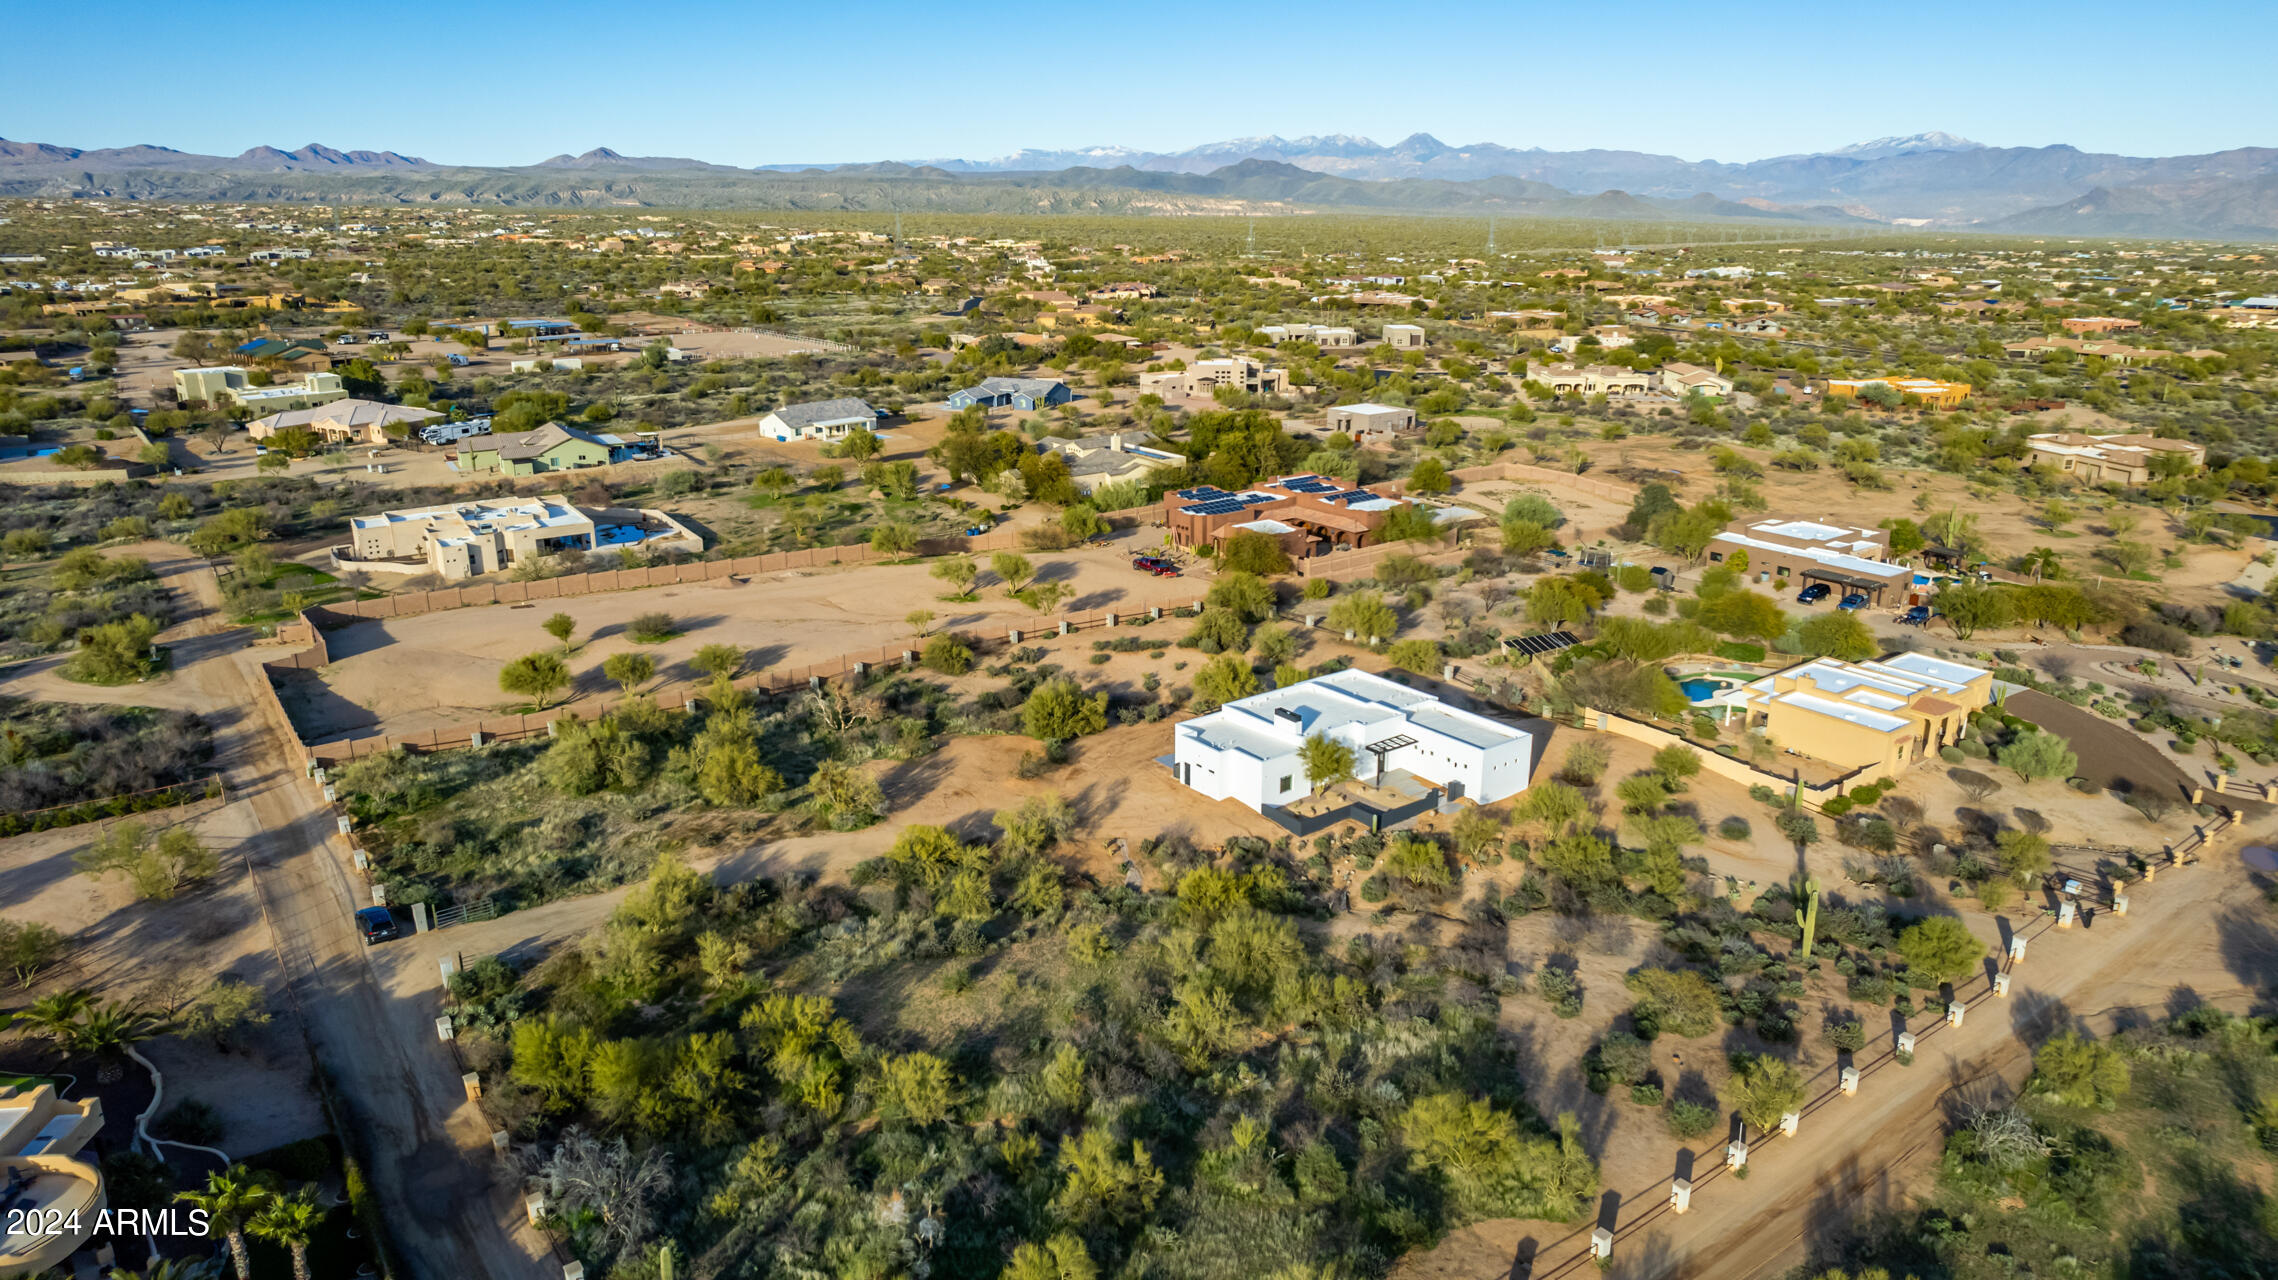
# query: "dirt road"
x,y
2186,940
451,1212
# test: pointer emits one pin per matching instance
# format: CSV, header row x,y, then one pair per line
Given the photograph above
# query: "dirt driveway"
x,y
2188,939
454,1212
2115,756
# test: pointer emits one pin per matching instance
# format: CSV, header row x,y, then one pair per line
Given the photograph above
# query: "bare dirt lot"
x,y
410,674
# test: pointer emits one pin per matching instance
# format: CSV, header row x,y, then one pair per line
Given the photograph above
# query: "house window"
x,y
1285,780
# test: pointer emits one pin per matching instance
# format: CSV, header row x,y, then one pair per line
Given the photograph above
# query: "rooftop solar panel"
x,y
1542,643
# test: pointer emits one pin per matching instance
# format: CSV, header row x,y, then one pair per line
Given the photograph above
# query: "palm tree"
x,y
231,1199
55,1015
290,1220
2043,561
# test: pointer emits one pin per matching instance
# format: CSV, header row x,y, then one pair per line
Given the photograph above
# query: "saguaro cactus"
x,y
1810,915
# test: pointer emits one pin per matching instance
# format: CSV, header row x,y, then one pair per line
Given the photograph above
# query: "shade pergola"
x,y
1385,748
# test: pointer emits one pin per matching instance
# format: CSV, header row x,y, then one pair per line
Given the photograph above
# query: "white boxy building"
x,y
1247,750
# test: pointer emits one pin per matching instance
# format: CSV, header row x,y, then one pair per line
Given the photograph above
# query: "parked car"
x,y
457,361
1156,565
378,924
1918,616
1813,594
1853,603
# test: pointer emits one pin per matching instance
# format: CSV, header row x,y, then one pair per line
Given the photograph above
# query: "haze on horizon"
x,y
515,84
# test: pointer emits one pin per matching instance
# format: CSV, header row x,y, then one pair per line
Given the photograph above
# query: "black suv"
x,y
378,924
1813,594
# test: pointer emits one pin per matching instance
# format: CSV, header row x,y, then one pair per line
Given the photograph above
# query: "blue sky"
x,y
513,83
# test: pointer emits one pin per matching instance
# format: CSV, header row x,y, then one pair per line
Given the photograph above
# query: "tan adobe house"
x,y
1876,717
465,539
1201,377
1592,380
1373,424
1681,379
2121,459
344,421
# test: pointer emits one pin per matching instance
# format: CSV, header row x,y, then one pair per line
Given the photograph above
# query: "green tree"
x,y
1063,1257
114,652
1327,761
1058,710
157,866
1970,605
1763,1090
1430,476
1940,948
29,949
536,676
1251,552
2037,753
1097,1182
893,539
1561,601
1012,569
1678,1001
958,572
561,627
717,660
846,794
1837,635
948,655
1222,680
2079,1072
1246,595
1418,864
1365,614
1675,764
628,670
916,1087
1745,615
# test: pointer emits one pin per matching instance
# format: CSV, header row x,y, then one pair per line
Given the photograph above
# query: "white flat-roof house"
x,y
819,419
1248,749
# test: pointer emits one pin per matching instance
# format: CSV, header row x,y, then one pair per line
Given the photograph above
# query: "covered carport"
x,y
1844,581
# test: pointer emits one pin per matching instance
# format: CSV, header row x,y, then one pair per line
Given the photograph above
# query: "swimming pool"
x,y
1708,684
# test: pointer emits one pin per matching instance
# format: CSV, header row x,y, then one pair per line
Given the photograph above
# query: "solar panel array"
x,y
1203,493
1542,643
1308,484
1217,507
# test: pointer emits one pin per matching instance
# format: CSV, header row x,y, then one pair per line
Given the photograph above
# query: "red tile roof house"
x,y
1315,513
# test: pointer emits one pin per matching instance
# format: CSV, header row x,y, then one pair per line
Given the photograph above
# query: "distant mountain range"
x,y
1925,179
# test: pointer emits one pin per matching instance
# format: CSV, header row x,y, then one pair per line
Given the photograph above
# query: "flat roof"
x,y
1880,721
1957,674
